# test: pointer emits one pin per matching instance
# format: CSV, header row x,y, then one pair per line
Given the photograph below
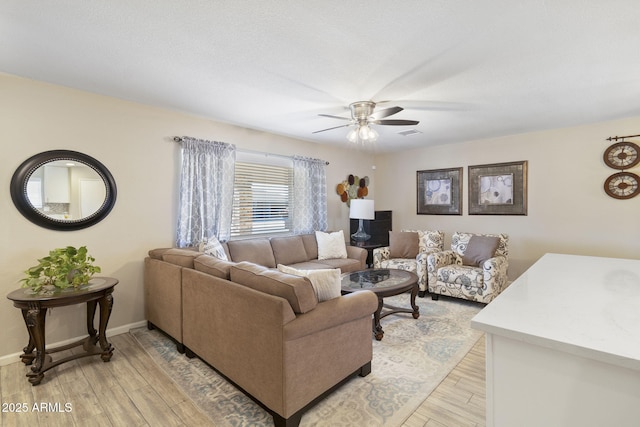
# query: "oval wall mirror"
x,y
63,190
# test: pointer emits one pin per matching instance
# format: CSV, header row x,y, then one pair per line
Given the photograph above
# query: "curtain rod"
x,y
179,139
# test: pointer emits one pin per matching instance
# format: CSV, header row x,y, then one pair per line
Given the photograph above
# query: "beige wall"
x,y
569,212
134,142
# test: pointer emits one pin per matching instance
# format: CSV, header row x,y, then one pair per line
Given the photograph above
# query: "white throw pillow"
x,y
213,247
326,282
331,245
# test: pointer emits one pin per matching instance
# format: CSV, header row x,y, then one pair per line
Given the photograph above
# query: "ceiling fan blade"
x,y
395,122
386,112
426,105
337,127
334,117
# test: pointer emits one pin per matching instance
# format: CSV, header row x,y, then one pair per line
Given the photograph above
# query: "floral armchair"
x,y
475,268
428,242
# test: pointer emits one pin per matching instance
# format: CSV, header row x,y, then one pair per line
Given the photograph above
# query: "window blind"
x,y
261,199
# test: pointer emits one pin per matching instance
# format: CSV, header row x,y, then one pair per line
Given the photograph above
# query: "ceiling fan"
x,y
363,115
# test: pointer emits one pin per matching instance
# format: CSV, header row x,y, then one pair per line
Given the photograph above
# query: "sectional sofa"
x,y
264,330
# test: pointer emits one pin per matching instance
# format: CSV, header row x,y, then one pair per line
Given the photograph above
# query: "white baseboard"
x,y
12,358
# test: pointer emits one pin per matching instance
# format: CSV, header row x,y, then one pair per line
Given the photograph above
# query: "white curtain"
x,y
206,191
309,195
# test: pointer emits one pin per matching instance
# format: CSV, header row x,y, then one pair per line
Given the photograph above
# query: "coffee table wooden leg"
x,y
416,309
377,328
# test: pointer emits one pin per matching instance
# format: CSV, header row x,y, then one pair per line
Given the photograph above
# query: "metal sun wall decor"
x,y
353,188
622,155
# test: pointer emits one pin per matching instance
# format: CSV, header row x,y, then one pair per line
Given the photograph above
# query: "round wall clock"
x,y
622,155
622,185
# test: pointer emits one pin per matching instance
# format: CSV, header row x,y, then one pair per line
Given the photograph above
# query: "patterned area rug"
x,y
408,364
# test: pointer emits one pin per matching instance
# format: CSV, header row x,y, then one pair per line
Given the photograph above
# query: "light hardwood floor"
x,y
132,391
459,400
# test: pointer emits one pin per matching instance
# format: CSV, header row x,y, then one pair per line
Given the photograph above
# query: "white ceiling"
x,y
466,69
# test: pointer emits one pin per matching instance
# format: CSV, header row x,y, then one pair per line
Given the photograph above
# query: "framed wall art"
x,y
498,189
440,192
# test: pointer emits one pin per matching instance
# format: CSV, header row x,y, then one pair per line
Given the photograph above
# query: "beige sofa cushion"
x,y
310,245
331,245
157,253
403,244
289,250
213,266
480,249
345,265
297,290
326,282
257,251
181,257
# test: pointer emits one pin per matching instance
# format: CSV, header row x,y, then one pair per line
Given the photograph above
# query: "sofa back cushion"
x,y
157,253
213,266
479,249
403,244
181,257
429,241
257,251
289,250
460,241
310,245
297,290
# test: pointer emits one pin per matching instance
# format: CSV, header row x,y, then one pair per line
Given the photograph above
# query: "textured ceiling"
x,y
465,69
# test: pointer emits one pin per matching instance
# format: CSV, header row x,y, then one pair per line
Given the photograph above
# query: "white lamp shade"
x,y
362,209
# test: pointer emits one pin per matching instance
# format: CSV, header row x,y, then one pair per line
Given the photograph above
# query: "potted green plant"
x,y
63,268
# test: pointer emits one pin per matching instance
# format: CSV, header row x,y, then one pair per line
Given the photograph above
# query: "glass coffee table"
x,y
384,282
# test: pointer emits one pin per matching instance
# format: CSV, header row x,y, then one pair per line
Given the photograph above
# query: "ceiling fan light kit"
x,y
363,116
362,134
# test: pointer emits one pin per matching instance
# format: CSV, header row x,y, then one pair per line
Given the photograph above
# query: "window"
x,y
261,196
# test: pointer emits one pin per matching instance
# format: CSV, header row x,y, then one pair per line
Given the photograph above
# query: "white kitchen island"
x,y
563,345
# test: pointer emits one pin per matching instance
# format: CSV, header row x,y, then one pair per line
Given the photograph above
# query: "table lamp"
x,y
361,209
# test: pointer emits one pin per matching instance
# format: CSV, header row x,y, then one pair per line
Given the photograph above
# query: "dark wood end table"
x,y
34,310
384,282
369,246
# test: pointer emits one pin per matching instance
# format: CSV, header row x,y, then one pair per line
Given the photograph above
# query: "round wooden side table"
x,y
34,308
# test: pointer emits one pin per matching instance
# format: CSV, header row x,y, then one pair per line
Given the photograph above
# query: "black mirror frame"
x,y
29,166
